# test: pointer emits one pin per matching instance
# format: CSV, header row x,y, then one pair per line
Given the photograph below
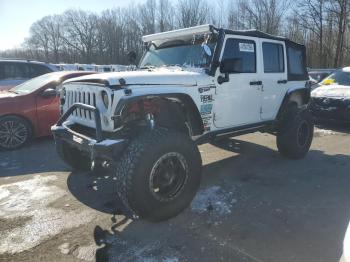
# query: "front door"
x,y
47,113
238,101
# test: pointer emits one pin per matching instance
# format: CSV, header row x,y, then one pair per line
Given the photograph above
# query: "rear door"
x,y
275,77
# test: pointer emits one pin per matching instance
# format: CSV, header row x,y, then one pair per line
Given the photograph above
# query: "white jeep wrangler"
x,y
192,86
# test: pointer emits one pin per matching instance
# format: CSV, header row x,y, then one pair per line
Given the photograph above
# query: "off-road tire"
x,y
141,158
295,132
20,128
73,157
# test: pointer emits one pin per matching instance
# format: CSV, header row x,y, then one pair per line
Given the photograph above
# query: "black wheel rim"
x,y
303,134
12,134
168,176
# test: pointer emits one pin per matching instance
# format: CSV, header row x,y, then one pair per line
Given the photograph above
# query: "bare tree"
x,y
39,38
165,15
77,36
264,15
312,15
192,12
147,15
80,32
341,10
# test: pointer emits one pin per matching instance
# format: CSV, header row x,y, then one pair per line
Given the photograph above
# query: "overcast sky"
x,y
16,16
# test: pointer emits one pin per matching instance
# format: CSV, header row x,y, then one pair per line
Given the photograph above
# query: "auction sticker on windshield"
x,y
246,47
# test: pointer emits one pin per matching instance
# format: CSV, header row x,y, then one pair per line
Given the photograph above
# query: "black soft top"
x,y
259,34
292,76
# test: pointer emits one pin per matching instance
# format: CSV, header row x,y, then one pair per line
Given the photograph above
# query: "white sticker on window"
x,y
246,47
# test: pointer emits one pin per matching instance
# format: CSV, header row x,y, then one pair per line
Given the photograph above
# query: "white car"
x,y
193,85
331,100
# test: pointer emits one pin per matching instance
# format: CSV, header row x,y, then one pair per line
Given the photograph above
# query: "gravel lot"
x,y
253,205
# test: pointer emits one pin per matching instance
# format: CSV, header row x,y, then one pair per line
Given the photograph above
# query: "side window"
x,y
273,57
38,70
296,62
2,75
243,52
15,71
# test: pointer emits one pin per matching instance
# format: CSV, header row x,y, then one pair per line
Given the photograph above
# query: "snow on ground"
x,y
29,201
145,251
323,132
213,199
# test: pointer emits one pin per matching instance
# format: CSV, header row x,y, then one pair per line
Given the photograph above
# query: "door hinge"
x,y
262,88
261,110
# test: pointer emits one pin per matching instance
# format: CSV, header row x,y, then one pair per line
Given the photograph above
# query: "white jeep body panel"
x,y
193,82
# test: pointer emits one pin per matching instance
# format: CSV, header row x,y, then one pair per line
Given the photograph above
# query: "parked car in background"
x,y
104,68
67,67
30,109
14,72
318,75
331,100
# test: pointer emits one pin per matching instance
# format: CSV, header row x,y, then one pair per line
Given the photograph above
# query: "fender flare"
x,y
193,114
305,93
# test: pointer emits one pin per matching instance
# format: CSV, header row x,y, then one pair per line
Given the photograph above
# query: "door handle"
x,y
256,83
282,81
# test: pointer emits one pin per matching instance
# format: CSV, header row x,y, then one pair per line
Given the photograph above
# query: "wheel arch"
x,y
301,97
191,113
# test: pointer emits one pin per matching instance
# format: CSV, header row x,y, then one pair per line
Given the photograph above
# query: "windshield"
x,y
339,77
184,54
35,83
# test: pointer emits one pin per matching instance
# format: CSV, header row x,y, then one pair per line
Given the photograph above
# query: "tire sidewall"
x,y
25,123
140,197
287,137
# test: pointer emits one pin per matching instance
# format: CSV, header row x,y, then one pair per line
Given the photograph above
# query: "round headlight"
x,y
105,98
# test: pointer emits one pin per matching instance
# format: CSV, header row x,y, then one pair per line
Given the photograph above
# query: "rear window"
x,y
296,62
273,58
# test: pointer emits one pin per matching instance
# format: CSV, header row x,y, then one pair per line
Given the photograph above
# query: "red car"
x,y
30,109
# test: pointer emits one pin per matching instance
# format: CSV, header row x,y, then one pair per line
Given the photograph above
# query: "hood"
x,y
5,94
158,76
335,91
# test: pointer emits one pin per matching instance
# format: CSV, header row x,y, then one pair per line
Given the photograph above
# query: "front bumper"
x,y
97,147
333,109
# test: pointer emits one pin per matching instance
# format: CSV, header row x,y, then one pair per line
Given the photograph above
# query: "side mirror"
x,y
132,57
231,65
207,50
50,92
